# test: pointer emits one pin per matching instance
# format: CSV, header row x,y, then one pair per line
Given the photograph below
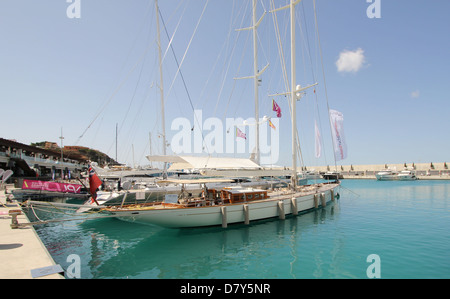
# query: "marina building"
x,y
45,162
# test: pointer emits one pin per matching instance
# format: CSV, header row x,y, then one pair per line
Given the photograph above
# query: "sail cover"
x,y
337,131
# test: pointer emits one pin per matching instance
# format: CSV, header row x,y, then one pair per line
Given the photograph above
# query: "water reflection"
x,y
404,222
110,248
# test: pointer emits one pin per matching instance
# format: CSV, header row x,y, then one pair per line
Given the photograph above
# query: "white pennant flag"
x,y
337,131
318,148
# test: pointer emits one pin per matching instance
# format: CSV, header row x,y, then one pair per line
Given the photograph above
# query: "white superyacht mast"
x,y
256,75
161,88
295,91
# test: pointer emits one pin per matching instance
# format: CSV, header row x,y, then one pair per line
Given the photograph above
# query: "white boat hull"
x,y
407,178
235,213
389,177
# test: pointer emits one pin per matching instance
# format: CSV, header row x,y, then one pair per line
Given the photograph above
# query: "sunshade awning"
x,y
188,162
194,181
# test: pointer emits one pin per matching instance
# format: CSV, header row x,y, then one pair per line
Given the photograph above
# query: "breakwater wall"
x,y
429,170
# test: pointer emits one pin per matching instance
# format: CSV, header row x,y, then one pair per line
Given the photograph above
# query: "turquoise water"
x,y
407,224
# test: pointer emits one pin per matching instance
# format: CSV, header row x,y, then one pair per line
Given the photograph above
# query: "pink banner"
x,y
51,186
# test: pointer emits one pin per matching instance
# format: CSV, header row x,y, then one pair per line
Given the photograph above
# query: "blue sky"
x,y
86,75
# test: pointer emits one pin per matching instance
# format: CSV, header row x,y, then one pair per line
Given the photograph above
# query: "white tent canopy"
x,y
189,162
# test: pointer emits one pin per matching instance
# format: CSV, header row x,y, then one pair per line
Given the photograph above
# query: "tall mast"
x,y
161,86
255,71
295,92
62,158
256,74
116,143
293,99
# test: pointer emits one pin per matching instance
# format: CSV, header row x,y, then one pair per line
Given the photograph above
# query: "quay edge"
x,y
21,249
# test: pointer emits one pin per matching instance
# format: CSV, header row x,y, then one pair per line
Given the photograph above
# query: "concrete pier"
x,y
424,171
21,250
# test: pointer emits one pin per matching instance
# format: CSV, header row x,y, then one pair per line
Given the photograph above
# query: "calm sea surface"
x,y
407,224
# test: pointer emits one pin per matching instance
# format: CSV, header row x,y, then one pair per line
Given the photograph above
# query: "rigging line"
x,y
185,52
129,106
234,83
179,66
315,80
225,71
115,92
173,35
324,81
229,63
131,135
224,46
102,108
280,47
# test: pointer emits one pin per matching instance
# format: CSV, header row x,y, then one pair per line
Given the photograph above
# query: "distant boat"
x,y
312,175
331,175
407,175
387,175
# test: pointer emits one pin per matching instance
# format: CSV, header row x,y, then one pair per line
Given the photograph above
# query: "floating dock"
x,y
22,253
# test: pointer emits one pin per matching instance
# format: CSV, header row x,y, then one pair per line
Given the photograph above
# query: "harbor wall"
x,y
438,170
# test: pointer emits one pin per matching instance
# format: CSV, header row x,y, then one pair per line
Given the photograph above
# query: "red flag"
x,y
94,182
239,133
276,108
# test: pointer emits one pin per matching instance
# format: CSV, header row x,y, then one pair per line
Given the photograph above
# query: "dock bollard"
x,y
323,200
14,221
281,210
332,194
316,200
223,210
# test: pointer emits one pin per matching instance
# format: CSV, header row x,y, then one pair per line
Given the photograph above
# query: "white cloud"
x,y
351,61
415,94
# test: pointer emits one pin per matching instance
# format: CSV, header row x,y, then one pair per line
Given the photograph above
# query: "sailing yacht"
x,y
235,204
230,205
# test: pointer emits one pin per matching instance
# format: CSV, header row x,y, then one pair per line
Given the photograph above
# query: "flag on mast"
x,y
272,125
337,131
318,148
276,108
239,133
